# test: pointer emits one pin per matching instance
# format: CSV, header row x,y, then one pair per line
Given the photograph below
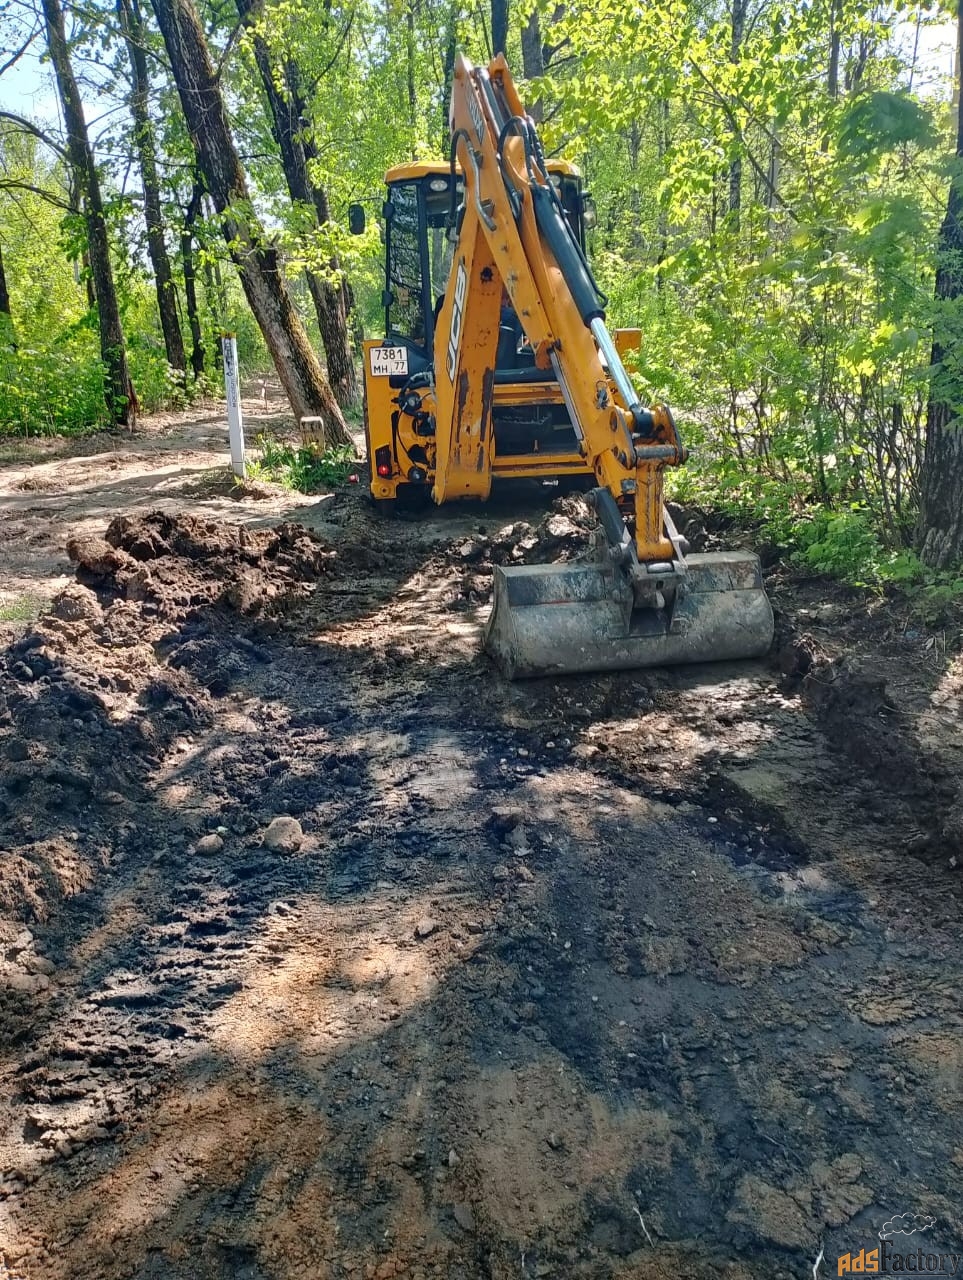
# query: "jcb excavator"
x,y
497,363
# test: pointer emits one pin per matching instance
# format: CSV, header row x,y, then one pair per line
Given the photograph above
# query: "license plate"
x,y
386,362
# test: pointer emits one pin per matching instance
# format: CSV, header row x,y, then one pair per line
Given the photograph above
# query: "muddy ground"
x,y
324,952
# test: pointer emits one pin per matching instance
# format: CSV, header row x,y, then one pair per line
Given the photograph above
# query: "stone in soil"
x,y
283,835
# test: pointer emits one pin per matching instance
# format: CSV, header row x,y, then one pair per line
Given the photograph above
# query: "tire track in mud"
x,y
523,1001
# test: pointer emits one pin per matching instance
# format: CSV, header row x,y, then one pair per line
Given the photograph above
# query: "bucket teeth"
x,y
570,618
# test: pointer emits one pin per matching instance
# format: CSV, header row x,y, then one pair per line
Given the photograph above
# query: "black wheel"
x,y
408,498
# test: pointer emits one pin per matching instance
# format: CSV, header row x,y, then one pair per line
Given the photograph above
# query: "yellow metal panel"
x,y
465,368
627,340
538,465
440,168
378,408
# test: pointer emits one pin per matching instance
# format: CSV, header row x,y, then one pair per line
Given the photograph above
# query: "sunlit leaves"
x,y
875,123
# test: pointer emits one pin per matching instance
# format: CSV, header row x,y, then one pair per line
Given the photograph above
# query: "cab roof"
x,y
441,168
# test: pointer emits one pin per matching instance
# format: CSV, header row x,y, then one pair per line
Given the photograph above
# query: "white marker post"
x,y
232,388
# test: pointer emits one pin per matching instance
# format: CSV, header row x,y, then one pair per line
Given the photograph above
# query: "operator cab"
x,y
532,431
419,250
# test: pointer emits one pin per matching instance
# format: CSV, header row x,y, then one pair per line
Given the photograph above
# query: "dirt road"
x,y
326,953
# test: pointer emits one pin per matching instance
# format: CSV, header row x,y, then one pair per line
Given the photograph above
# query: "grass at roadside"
x,y
300,468
25,608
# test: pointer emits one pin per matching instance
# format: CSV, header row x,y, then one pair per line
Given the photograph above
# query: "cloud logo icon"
x,y
906,1224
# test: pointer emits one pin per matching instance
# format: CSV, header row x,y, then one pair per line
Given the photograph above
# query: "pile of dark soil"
x,y
564,533
168,614
175,562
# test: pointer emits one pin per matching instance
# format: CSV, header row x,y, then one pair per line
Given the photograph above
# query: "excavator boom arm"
x,y
514,237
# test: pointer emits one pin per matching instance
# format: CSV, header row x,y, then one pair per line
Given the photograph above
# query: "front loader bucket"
x,y
555,619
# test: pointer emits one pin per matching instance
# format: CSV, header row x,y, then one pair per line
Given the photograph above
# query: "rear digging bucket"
x,y
568,618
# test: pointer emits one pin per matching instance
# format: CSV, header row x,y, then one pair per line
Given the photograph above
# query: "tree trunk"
x,y
499,26
254,256
118,389
448,72
132,26
940,531
190,281
533,61
832,73
856,67
88,280
287,123
634,141
663,216
338,299
772,175
735,165
216,304
410,60
8,334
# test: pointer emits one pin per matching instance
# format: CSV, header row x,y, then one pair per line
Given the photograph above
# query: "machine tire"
x,y
408,499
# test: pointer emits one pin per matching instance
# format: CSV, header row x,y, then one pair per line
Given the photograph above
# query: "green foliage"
x,y
840,543
53,390
792,334
303,469
934,600
252,352
846,544
875,123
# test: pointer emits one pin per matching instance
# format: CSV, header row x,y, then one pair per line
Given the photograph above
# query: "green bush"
x,y
59,389
841,543
55,390
845,545
303,469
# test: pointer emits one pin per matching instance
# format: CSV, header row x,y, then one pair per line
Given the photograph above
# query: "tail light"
x,y
383,461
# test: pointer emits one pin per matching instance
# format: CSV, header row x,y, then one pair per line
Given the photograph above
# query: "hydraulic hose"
x,y
558,234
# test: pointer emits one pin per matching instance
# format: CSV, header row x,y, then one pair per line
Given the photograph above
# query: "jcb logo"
x,y
864,1263
457,316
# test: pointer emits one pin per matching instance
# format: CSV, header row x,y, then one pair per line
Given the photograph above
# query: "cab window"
x,y
441,247
405,295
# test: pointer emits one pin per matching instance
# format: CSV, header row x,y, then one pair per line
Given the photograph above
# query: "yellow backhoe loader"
x,y
496,362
